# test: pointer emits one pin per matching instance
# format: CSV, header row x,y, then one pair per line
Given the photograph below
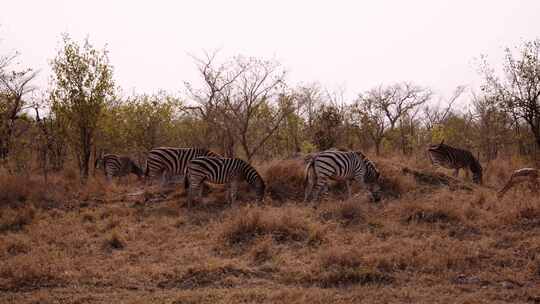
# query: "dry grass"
x,y
284,179
281,224
105,243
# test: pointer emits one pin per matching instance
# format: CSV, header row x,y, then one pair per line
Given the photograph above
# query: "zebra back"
x,y
343,164
223,170
173,160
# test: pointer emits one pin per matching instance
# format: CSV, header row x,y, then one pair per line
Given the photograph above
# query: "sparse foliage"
x,y
82,88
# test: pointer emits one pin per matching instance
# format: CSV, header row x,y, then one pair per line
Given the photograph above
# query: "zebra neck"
x,y
247,170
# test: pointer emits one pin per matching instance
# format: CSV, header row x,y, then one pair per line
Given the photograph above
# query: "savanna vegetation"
x,y
68,236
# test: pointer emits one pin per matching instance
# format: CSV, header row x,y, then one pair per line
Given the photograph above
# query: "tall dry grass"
x,y
63,241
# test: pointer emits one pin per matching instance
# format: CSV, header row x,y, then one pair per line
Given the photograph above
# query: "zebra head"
x,y
260,187
372,177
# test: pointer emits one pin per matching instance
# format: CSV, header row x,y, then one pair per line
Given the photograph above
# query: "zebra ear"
x,y
442,142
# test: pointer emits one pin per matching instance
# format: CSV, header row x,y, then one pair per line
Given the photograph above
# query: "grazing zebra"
x,y
454,158
340,165
169,162
216,170
520,176
117,165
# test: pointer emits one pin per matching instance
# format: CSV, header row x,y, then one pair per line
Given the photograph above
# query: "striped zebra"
x,y
454,158
520,176
169,162
117,166
228,171
340,165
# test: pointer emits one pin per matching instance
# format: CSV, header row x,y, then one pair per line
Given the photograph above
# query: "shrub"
x,y
346,213
113,242
284,179
339,267
282,224
26,272
15,220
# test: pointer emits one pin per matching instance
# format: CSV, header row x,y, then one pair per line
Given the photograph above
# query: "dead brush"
x,y
262,251
281,224
113,241
211,274
525,216
15,219
341,267
438,208
28,272
18,190
346,213
393,182
284,179
14,190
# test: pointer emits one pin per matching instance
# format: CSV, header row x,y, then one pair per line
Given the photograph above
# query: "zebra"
x,y
340,165
454,158
169,162
117,165
520,176
228,171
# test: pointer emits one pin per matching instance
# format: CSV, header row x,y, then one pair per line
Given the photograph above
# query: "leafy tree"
x,y
82,88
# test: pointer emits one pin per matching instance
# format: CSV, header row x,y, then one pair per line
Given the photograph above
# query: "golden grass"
x,y
105,243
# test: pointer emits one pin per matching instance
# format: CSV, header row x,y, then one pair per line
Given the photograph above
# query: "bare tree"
x,y
435,115
257,105
383,107
218,80
370,118
14,86
243,101
518,91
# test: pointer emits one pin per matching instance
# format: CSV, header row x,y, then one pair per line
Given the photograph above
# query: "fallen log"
x,y
437,179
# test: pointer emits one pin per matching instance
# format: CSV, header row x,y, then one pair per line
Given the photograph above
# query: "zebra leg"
x,y
321,185
309,188
232,192
348,185
108,177
193,188
164,178
456,172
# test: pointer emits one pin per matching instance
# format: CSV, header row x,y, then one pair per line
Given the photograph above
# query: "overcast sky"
x,y
350,44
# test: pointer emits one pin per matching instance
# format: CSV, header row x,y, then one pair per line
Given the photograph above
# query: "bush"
x,y
14,220
113,242
346,213
284,179
281,224
27,272
339,267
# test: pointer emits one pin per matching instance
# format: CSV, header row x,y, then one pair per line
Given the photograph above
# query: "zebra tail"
x,y
310,168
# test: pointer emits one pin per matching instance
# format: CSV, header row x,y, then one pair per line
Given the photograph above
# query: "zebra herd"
x,y
199,165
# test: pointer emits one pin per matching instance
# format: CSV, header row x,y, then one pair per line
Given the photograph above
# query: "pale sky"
x,y
350,44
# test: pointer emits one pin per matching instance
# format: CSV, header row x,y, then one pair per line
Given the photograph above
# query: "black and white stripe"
x,y
340,165
169,162
117,166
228,171
454,158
